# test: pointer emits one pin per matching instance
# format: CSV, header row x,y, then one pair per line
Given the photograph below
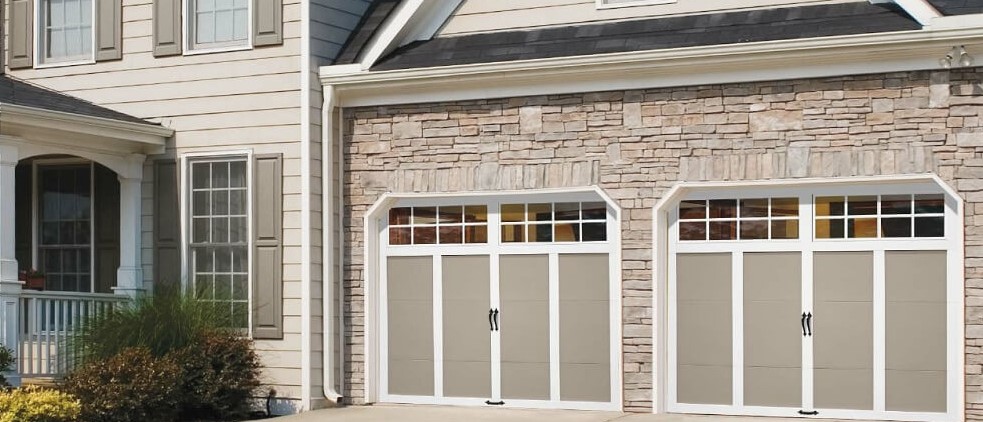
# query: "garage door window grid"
x,y
880,216
443,225
554,222
739,219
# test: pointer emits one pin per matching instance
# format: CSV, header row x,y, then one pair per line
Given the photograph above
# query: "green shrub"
x,y
6,363
35,404
161,324
220,373
133,386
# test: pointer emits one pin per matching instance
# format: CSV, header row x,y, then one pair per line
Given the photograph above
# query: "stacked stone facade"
x,y
636,144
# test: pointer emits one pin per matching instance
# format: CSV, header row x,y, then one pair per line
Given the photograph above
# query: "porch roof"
x,y
17,92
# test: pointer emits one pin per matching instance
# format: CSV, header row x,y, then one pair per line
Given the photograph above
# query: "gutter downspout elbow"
x,y
328,258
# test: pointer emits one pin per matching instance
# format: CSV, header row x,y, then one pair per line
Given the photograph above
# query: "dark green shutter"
x,y
167,227
109,30
267,265
23,220
267,22
106,193
167,28
20,38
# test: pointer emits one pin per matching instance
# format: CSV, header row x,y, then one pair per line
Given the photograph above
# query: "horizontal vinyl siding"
x,y
332,23
495,15
215,102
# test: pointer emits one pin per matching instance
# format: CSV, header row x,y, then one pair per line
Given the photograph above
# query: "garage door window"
x,y
554,222
880,216
444,225
739,219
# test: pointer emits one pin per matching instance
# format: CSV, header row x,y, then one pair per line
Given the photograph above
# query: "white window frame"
x,y
606,4
377,249
187,28
666,245
36,213
184,199
39,38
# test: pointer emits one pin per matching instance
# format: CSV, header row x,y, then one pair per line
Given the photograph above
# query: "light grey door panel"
x,y
772,329
843,338
525,326
915,361
410,320
704,318
585,339
466,298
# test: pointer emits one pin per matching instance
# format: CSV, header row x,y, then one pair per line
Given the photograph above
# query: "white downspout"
x,y
329,259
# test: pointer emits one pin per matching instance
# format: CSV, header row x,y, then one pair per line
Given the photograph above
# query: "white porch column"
x,y
10,287
129,277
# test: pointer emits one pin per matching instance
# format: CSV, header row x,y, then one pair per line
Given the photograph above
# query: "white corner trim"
x,y
413,20
770,60
919,10
71,122
306,282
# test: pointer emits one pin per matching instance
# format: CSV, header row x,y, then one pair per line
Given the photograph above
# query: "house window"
x,y
739,219
65,227
220,235
218,23
66,31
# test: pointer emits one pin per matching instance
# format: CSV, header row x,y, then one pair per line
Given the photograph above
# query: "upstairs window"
x,y
66,32
218,24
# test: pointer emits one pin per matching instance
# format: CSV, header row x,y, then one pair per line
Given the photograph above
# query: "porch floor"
x,y
413,413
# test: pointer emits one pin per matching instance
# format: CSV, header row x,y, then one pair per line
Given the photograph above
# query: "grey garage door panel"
x,y
704,339
525,326
843,341
915,283
772,329
585,333
466,298
410,320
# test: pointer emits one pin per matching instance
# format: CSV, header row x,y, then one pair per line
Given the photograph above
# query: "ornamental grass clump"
x,y
36,404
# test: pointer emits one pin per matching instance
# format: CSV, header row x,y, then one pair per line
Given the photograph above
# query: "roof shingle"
x,y
17,92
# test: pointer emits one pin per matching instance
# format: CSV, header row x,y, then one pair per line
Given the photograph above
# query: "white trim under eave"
x,y
150,135
759,61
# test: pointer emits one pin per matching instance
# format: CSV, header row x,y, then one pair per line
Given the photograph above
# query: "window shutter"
x,y
109,28
106,235
267,265
267,22
167,227
21,37
167,28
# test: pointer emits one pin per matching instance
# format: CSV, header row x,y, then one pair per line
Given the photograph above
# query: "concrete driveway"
x,y
407,413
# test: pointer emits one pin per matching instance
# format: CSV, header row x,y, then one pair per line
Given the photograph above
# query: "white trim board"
x,y
758,61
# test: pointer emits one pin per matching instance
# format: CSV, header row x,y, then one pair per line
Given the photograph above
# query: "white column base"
x,y
10,290
129,282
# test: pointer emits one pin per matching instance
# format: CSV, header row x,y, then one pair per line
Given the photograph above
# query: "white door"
x,y
501,302
824,302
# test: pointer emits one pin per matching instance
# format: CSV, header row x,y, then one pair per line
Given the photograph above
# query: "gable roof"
x,y
372,20
785,23
957,7
17,92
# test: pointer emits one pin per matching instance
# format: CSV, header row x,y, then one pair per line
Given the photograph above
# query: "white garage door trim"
x,y
376,253
664,245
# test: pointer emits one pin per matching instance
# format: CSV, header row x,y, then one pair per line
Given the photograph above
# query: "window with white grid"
x,y
218,23
66,30
220,235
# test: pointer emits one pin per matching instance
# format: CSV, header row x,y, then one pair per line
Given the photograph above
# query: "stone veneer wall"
x,y
637,144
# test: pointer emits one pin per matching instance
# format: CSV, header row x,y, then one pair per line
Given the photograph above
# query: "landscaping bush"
x,y
6,364
133,386
161,324
220,374
35,404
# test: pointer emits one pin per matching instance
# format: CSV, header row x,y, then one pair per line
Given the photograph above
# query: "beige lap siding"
x,y
637,144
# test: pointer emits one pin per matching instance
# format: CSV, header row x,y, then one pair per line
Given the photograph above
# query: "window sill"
x,y
210,50
66,63
602,4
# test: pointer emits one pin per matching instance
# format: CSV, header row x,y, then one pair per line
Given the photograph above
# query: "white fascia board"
x,y
920,10
146,134
760,61
958,21
413,20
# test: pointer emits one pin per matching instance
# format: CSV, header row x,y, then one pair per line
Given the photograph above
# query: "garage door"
x,y
501,301
834,303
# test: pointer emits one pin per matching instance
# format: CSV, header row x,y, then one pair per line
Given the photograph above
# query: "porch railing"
x,y
49,321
